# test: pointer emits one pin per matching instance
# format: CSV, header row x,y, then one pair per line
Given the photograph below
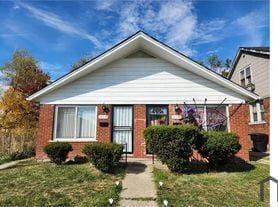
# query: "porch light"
x,y
105,108
165,202
177,108
110,201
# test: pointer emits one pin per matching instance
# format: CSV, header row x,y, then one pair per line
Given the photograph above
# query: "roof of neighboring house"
x,y
145,42
256,51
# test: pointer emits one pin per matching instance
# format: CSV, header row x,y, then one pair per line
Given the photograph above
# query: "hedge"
x,y
58,151
219,147
173,144
104,156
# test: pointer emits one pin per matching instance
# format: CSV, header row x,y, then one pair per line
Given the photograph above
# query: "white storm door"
x,y
123,126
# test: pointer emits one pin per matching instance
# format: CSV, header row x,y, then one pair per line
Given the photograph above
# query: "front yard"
x,y
43,184
233,186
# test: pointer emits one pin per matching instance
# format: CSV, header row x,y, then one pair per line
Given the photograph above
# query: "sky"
x,y
58,33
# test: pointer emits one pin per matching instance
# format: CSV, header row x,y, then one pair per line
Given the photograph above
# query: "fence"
x,y
11,142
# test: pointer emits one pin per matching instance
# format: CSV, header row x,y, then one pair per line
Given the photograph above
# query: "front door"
x,y
123,126
157,115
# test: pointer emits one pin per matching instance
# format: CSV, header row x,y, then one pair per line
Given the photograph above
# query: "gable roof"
x,y
255,51
143,41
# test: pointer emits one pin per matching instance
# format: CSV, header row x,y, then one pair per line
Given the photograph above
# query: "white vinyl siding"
x,y
259,72
141,81
75,123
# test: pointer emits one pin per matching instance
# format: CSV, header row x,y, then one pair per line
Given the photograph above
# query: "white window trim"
x,y
259,115
245,79
74,139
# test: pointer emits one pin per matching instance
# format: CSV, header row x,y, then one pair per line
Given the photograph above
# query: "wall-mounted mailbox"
x,y
104,124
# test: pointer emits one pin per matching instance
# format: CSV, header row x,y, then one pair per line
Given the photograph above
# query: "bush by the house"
x,y
172,144
26,152
104,156
58,151
219,147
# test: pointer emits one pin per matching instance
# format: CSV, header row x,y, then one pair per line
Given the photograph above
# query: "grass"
x,y
4,159
44,184
233,186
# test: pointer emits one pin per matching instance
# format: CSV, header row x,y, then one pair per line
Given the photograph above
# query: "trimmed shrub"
x,y
58,151
104,156
173,144
25,153
219,147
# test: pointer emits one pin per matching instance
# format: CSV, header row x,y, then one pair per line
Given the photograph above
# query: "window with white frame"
x,y
245,76
75,122
257,112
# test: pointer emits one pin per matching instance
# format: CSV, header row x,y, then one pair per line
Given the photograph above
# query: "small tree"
x,y
83,60
17,114
214,62
23,77
23,73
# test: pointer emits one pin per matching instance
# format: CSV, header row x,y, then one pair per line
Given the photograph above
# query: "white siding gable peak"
x,y
142,41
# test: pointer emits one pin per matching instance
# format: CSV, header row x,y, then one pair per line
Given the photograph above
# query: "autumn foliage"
x,y
23,76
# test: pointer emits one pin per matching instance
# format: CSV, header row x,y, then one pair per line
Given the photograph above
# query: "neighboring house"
x,y
135,84
250,69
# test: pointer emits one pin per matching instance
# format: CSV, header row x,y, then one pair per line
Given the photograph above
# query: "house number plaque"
x,y
103,116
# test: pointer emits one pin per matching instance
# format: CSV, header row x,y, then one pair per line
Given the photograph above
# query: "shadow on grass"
x,y
77,160
235,165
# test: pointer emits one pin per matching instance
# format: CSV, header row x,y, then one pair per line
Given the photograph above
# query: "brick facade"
x,y
45,131
239,123
139,146
46,126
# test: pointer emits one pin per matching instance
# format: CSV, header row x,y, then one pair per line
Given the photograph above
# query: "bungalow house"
x,y
137,83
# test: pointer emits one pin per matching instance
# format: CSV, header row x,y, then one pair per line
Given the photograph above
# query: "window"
x,y
209,117
75,122
157,115
257,112
245,77
216,117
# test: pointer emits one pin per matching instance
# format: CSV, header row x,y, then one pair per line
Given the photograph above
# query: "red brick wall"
x,y
46,120
172,112
240,124
239,120
139,146
46,126
104,132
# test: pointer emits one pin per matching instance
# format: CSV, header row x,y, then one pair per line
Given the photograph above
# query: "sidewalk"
x,y
138,185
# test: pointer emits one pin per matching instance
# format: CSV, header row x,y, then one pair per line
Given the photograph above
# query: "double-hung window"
x,y
75,122
257,114
245,77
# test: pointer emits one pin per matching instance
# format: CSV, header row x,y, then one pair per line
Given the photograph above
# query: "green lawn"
x,y
225,188
4,159
43,184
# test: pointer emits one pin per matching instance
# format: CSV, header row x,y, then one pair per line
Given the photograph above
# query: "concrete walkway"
x,y
8,165
12,164
138,185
